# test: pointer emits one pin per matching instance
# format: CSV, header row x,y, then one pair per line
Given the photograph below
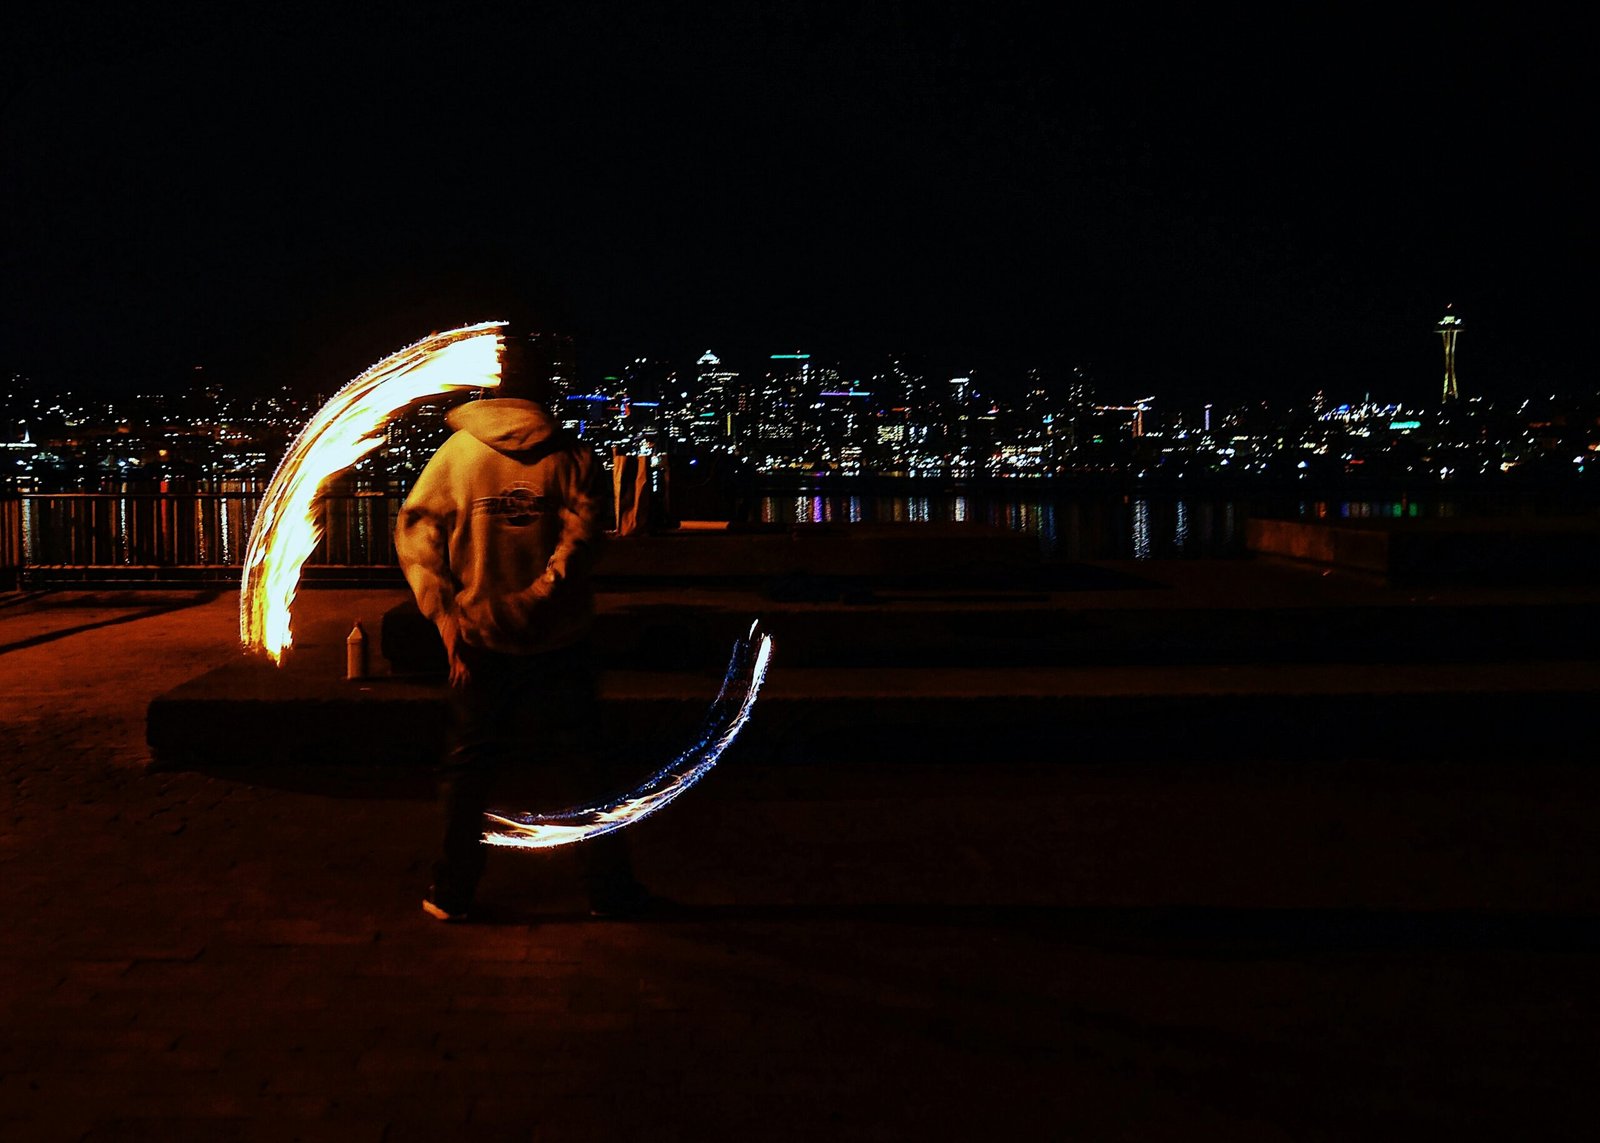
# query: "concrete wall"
x,y
1356,549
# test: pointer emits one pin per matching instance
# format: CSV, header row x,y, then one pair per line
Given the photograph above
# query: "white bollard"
x,y
355,653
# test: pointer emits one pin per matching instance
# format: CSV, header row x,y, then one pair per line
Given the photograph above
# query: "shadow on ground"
x,y
97,602
1188,931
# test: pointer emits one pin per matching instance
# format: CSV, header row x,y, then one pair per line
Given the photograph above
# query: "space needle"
x,y
1449,328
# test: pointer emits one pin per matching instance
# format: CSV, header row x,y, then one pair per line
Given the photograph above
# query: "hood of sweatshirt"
x,y
504,424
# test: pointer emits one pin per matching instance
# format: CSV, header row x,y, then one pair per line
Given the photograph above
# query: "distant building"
x,y
776,406
1449,328
554,356
712,406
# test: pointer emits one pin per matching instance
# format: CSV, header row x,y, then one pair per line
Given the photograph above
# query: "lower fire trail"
x,y
729,711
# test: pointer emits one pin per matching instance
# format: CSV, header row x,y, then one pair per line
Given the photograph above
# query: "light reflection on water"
x,y
1093,526
210,526
1403,508
1141,529
1085,527
29,556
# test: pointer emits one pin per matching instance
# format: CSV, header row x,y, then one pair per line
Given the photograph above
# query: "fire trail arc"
x,y
288,526
747,669
288,521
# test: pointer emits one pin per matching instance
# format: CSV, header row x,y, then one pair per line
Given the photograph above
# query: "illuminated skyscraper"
x,y
959,436
777,407
711,408
906,412
1449,328
553,358
645,382
843,424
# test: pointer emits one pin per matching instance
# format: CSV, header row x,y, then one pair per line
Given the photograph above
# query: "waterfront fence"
x,y
54,536
10,542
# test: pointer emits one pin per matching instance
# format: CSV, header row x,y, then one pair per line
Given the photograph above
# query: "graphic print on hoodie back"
x,y
501,528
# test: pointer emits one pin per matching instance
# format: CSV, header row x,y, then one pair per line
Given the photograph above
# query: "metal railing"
x,y
10,543
141,535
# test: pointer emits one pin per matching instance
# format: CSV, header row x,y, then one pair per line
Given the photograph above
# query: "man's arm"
x,y
582,522
422,544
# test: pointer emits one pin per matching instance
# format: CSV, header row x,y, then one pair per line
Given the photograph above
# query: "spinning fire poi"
x,y
288,526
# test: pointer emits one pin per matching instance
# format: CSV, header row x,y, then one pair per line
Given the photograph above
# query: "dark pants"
x,y
524,711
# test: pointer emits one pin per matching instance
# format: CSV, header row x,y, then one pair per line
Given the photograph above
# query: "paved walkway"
x,y
871,948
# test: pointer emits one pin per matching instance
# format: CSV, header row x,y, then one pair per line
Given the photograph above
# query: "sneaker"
x,y
441,910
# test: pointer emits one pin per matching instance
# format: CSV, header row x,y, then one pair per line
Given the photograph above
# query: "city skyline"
x,y
798,415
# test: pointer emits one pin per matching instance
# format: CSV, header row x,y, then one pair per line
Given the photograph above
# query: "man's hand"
x,y
450,632
543,588
525,614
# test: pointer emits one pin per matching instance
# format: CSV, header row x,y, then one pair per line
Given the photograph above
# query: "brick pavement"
x,y
871,949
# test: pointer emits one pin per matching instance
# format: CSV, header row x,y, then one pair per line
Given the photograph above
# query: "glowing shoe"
x,y
443,909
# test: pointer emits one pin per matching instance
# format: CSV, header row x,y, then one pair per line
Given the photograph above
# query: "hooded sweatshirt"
x,y
501,529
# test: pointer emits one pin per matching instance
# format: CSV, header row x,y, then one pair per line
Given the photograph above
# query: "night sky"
x,y
1206,206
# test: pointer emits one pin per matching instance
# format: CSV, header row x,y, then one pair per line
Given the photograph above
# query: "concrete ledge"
x,y
248,712
1198,661
1487,550
1347,548
665,636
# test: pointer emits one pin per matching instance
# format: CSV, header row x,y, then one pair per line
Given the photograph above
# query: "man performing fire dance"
x,y
497,540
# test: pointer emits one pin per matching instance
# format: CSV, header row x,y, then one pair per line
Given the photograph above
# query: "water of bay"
x,y
1104,526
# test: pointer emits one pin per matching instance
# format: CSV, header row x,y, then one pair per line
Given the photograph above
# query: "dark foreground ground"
x,y
1098,947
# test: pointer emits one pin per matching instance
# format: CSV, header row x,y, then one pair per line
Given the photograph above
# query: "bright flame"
x,y
349,426
746,671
